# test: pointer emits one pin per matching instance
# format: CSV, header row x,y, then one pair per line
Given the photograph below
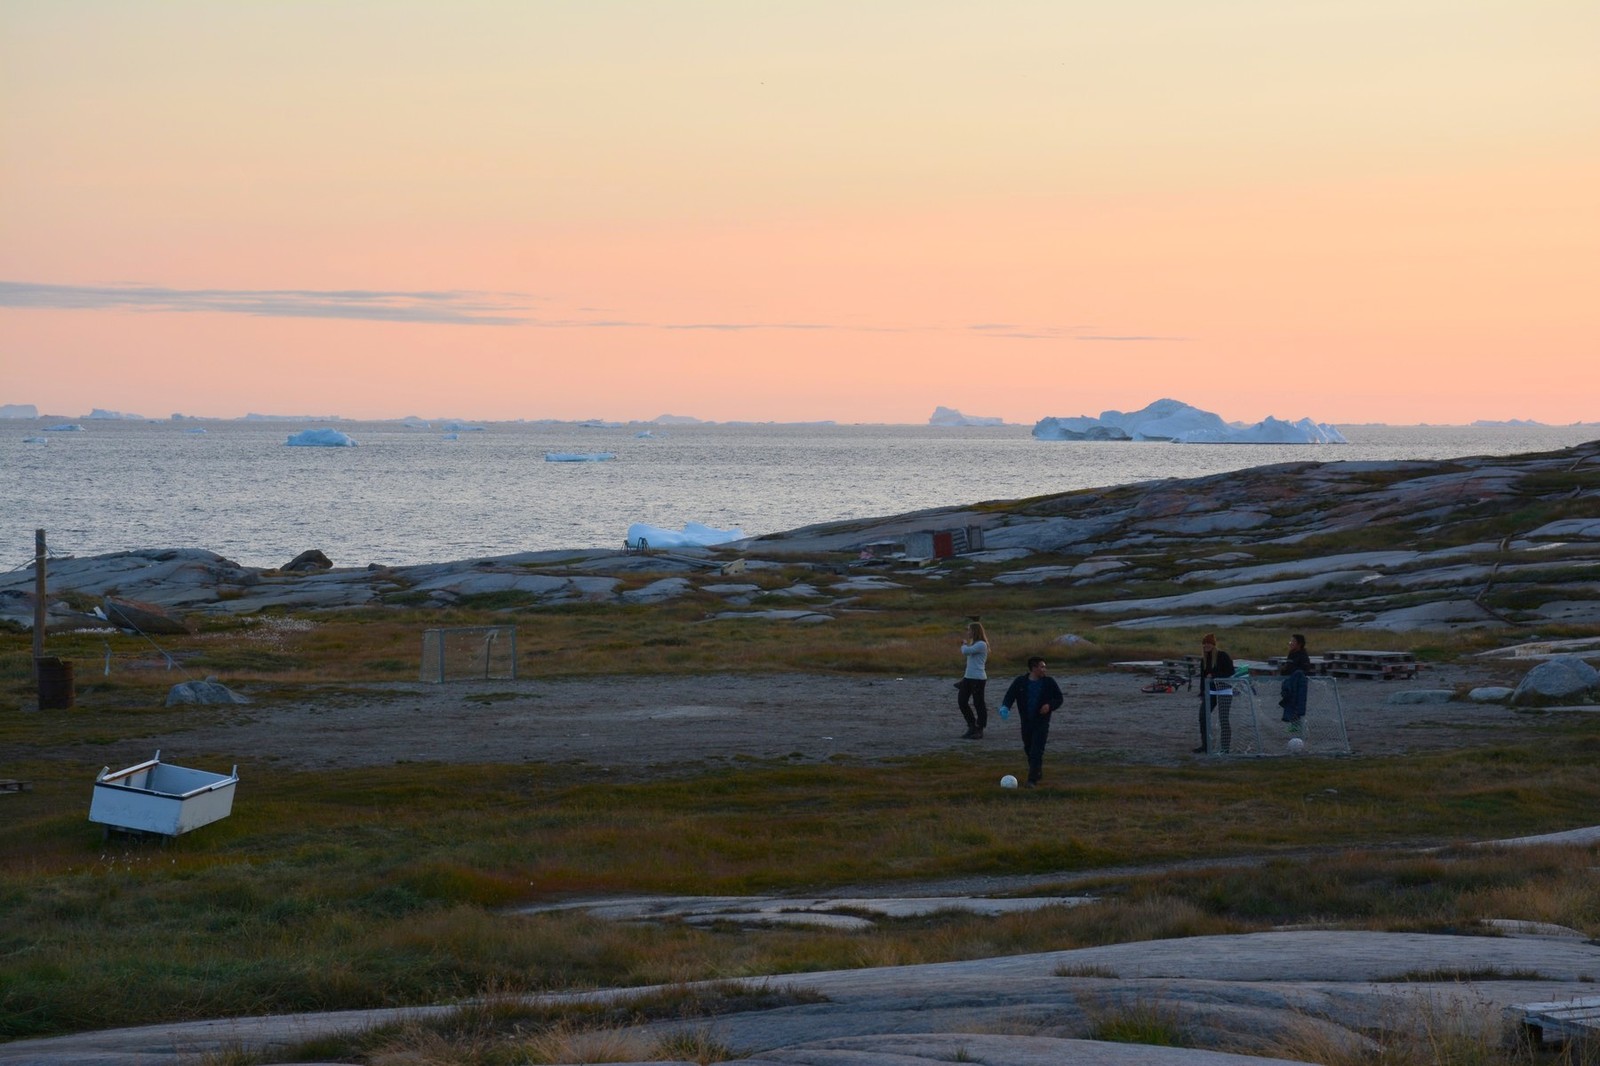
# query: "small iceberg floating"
x,y
320,438
65,427
451,436
36,440
196,430
578,457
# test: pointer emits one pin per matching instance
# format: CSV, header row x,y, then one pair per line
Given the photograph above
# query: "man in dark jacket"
x,y
1292,695
1035,695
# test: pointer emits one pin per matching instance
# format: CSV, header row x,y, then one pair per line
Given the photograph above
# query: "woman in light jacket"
x,y
969,692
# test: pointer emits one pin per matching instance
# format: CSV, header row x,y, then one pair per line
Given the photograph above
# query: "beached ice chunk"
x,y
693,535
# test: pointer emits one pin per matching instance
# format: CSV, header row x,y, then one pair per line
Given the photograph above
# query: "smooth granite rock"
x,y
1565,677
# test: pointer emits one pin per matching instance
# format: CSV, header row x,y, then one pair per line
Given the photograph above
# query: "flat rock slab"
x,y
1222,992
766,909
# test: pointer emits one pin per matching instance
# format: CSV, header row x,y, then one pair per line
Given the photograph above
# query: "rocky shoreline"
x,y
1471,543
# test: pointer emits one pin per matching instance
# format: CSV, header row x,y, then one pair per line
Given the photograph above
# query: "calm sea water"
x,y
407,495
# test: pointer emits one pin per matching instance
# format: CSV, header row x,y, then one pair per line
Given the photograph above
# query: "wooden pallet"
x,y
1567,1019
1373,665
1319,664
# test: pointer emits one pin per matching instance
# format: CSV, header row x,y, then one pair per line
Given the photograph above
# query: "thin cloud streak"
x,y
1131,337
432,308
449,308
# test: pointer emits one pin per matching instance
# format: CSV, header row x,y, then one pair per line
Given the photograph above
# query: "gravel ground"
x,y
638,726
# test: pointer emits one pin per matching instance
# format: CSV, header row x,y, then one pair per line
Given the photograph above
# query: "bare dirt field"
x,y
639,726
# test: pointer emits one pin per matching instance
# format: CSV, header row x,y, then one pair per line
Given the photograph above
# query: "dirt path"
x,y
639,725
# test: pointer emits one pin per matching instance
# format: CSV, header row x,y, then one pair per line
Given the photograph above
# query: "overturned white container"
x,y
157,797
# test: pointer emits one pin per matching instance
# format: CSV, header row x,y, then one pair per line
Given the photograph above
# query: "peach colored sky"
x,y
1362,210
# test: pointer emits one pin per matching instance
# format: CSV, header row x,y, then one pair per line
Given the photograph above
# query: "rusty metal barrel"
x,y
56,692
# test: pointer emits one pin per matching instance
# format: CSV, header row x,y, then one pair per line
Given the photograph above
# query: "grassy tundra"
x,y
386,886
394,885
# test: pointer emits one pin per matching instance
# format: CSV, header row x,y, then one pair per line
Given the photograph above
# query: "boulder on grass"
x,y
208,691
1563,678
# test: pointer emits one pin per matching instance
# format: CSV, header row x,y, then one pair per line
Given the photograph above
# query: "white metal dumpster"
x,y
156,797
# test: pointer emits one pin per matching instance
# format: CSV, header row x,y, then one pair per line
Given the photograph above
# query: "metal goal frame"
x,y
469,653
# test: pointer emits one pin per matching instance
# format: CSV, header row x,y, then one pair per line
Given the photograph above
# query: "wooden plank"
x,y
9,785
1563,1019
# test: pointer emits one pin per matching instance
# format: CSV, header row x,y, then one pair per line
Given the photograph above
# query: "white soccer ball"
x,y
1008,782
1296,745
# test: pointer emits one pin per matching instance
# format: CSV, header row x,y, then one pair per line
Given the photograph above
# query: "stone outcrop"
x,y
141,617
310,559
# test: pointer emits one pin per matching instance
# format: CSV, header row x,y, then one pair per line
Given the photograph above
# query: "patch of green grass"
x,y
1143,1023
1481,973
391,885
219,660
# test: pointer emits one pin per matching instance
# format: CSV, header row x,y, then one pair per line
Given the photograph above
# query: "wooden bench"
x,y
1566,1019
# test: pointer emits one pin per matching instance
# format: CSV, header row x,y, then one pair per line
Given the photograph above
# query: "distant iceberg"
x,y
18,410
36,440
253,417
693,535
65,427
320,438
115,415
1173,420
578,457
1510,423
949,416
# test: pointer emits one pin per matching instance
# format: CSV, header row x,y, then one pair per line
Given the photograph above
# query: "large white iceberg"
x,y
1173,420
693,535
949,416
320,438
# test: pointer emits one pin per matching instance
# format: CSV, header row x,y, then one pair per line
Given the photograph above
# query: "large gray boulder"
x,y
1565,677
209,691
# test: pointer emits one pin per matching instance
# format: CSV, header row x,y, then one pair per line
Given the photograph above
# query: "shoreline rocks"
x,y
1401,547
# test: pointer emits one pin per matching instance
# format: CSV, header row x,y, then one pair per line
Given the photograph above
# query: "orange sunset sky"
x,y
1352,210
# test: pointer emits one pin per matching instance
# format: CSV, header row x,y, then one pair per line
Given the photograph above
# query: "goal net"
x,y
470,653
1246,719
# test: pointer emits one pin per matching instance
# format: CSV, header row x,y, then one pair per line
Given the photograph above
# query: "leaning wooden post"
x,y
38,600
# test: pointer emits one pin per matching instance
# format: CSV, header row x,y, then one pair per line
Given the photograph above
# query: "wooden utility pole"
x,y
38,600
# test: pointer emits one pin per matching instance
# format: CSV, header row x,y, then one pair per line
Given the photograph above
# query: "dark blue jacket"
x,y
1293,696
1049,694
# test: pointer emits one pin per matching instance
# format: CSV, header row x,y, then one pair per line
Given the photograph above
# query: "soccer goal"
x,y
469,653
1246,719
